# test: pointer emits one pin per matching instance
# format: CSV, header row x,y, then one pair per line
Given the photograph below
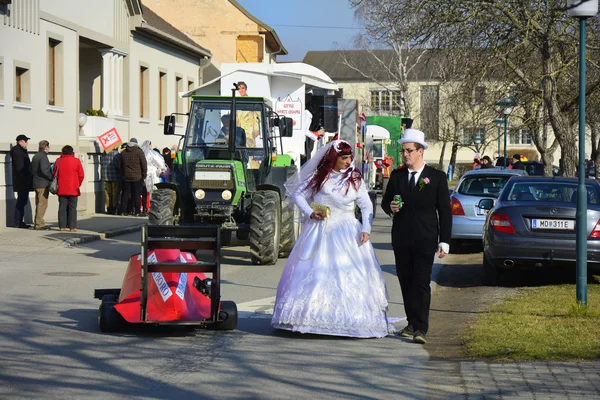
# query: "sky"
x,y
304,25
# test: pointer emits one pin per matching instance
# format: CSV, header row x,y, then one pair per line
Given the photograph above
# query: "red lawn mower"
x,y
166,285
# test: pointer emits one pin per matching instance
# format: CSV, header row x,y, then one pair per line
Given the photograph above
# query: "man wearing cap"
x,y
21,178
42,176
516,162
133,168
422,225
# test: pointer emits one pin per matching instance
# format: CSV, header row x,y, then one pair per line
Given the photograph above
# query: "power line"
x,y
319,27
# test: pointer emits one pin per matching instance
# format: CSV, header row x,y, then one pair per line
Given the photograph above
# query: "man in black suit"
x,y
422,226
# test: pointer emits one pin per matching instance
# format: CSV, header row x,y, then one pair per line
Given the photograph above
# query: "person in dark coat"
x,y
486,162
21,179
134,169
42,176
69,173
516,162
111,174
422,227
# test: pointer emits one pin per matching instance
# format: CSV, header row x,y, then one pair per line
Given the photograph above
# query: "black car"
x,y
535,168
532,226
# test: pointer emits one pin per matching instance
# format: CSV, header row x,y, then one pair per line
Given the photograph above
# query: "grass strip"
x,y
543,323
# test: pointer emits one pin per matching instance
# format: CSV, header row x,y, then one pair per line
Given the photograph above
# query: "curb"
x,y
86,238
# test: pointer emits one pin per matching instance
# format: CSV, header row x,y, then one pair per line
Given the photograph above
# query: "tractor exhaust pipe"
x,y
509,263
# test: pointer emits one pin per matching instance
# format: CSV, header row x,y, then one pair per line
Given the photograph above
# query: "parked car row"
x,y
467,217
524,222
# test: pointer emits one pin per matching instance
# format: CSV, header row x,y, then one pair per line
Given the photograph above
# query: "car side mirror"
x,y
286,127
486,204
169,128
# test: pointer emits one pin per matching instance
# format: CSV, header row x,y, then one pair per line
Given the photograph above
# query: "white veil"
x,y
306,172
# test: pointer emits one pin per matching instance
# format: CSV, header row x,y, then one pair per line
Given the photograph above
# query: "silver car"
x,y
467,217
532,226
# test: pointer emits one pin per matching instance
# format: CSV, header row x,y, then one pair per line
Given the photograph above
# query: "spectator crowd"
x,y
129,173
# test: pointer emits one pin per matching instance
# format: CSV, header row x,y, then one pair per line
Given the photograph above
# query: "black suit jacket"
x,y
425,219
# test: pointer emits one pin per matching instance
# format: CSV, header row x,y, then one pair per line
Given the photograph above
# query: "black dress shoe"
x,y
23,226
419,337
407,332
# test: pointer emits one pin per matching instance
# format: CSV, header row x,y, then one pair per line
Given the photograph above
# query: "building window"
x,y
479,95
430,111
22,85
162,95
383,100
396,100
55,73
249,48
190,87
178,99
144,93
469,134
520,137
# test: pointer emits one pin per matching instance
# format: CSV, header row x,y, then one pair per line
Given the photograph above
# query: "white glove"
x,y
445,247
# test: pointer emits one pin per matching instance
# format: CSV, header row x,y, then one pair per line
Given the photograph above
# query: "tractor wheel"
x,y
265,227
225,238
162,205
242,235
228,317
109,320
288,231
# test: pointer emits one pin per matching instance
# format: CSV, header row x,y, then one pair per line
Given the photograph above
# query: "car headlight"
x,y
199,194
226,195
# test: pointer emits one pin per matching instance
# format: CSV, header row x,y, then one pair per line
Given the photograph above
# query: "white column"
x,y
112,82
106,87
119,85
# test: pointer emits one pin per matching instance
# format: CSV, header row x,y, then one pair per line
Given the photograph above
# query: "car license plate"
x,y
481,211
560,224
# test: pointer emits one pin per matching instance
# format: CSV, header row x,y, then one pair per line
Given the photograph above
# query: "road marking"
x,y
257,309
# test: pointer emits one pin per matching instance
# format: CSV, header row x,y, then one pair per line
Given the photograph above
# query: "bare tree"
x,y
530,45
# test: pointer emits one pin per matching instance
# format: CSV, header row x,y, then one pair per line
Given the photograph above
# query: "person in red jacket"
x,y
69,174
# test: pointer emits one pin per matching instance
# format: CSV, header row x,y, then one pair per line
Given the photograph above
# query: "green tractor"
x,y
233,180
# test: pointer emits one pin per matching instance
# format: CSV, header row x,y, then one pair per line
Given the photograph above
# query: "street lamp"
x,y
505,107
477,141
499,124
582,9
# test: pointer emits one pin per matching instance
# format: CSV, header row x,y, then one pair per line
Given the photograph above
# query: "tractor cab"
x,y
231,172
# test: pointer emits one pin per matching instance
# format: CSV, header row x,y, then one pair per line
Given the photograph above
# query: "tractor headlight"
x,y
199,194
226,195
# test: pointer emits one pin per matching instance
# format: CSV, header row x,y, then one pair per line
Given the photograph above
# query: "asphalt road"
x,y
51,348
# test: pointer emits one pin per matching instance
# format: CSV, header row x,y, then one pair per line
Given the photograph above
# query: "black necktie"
x,y
411,183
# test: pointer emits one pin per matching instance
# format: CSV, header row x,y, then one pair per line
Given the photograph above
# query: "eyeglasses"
x,y
408,151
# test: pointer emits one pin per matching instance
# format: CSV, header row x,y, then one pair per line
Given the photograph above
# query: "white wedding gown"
x,y
332,284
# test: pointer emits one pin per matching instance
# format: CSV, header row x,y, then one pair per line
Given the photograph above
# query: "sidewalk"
x,y
89,228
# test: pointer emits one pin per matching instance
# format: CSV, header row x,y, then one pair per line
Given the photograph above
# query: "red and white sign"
x,y
110,139
291,109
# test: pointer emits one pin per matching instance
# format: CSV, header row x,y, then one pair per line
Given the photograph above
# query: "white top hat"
x,y
413,136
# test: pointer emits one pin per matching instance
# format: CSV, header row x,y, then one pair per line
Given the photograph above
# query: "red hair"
x,y
326,166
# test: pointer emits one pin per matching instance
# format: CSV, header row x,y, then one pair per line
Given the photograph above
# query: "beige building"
x,y
378,93
59,59
223,26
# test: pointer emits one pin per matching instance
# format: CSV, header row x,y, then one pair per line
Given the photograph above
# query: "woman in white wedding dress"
x,y
332,283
